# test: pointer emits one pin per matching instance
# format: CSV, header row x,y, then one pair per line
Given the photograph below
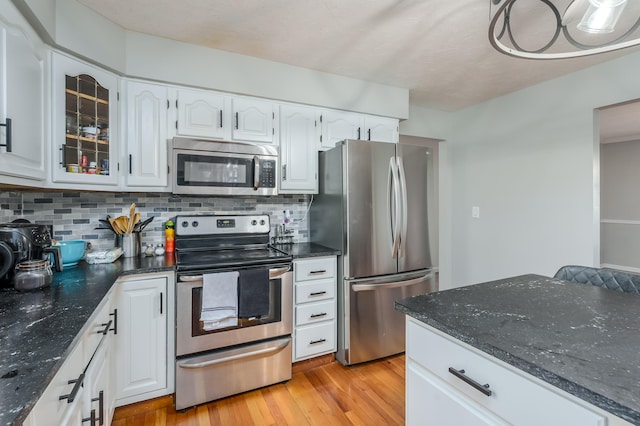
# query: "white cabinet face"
x,y
380,129
141,354
254,120
22,73
85,116
338,126
298,150
200,114
146,142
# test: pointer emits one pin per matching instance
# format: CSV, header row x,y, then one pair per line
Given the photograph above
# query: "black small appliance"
x,y
20,241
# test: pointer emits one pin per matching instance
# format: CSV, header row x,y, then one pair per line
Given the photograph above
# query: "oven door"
x,y
190,334
220,173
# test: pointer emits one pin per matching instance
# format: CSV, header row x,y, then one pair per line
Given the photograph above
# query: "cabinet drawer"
x,y
315,290
314,269
315,339
315,312
515,396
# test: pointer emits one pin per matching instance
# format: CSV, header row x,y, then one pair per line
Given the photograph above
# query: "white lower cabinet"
x,y
145,317
485,390
81,386
314,307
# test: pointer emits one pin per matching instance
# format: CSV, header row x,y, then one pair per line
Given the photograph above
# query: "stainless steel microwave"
x,y
207,167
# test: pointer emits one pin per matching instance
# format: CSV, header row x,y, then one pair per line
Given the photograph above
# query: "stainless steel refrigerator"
x,y
372,206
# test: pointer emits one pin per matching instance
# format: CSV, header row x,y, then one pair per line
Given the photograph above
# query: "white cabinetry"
x,y
299,135
82,384
200,114
381,129
84,124
500,394
143,352
22,102
254,120
314,307
146,135
338,126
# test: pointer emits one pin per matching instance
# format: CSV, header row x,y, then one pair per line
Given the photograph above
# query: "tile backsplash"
x,y
74,215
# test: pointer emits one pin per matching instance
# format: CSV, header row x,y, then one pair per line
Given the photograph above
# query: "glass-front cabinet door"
x,y
84,123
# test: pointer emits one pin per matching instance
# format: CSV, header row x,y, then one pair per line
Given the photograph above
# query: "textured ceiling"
x,y
437,49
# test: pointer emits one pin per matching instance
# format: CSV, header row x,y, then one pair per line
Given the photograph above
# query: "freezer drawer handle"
x,y
317,293
315,342
366,287
209,363
322,314
460,375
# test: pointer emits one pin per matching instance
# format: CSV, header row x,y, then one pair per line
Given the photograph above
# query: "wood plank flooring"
x,y
321,392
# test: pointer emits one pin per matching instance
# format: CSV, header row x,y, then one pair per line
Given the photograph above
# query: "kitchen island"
x,y
579,338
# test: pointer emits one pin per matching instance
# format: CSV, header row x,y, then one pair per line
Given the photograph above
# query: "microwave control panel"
x,y
268,173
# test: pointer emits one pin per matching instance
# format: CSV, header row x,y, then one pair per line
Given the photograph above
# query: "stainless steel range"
x,y
233,308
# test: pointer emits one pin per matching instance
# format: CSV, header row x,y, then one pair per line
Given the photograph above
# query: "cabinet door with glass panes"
x,y
84,123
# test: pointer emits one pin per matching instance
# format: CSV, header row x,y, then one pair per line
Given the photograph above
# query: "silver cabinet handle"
x,y
284,172
7,144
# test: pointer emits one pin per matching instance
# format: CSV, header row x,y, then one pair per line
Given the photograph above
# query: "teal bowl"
x,y
71,251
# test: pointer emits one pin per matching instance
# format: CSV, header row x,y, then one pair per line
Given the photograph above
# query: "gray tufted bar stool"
x,y
602,277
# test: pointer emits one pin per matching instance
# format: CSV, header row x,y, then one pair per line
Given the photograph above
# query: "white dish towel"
x,y
219,300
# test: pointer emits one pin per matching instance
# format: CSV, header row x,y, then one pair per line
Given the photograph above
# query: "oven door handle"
x,y
273,273
264,351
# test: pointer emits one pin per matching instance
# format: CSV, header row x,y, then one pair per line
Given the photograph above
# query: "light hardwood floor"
x,y
321,392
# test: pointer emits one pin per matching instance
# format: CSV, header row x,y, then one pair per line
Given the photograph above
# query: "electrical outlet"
x,y
475,212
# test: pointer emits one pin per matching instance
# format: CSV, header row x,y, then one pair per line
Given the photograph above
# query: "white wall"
x,y
529,161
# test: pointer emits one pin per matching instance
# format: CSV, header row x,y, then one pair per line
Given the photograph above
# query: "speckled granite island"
x,y
579,338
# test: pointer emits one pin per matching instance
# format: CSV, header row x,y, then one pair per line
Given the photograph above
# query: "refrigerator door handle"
x,y
403,196
407,283
393,191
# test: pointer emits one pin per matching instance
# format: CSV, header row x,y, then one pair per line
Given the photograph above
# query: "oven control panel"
x,y
216,224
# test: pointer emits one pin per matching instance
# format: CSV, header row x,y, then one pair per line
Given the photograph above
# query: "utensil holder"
x,y
130,244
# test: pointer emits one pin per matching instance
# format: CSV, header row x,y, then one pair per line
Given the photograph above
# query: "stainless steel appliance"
x,y
209,167
372,206
256,351
24,242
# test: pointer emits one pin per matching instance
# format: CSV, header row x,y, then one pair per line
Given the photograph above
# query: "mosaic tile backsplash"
x,y
74,215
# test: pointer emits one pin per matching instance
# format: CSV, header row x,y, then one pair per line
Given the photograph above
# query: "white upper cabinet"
x,y
299,135
381,129
146,135
338,126
254,120
84,124
22,104
201,114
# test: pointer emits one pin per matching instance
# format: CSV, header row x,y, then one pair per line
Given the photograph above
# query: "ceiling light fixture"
x,y
555,29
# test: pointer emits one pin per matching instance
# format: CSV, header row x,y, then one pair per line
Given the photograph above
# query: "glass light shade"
x,y
601,16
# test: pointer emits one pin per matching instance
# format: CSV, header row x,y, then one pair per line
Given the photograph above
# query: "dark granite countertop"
x,y
580,338
298,250
39,328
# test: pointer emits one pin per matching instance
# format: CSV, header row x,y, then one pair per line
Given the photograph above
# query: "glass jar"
x,y
33,274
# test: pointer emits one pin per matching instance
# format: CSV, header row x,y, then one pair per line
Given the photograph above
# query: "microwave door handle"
x,y
256,172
